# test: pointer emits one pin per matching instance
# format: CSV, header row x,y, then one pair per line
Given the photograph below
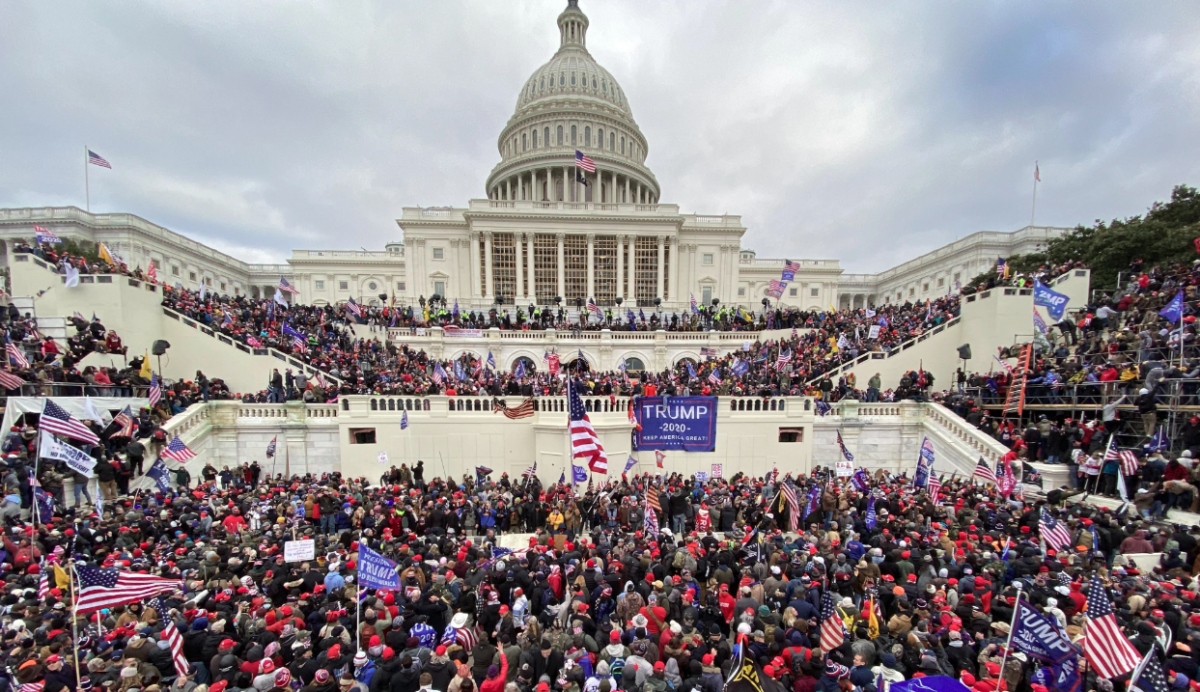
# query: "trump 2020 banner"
x,y
687,423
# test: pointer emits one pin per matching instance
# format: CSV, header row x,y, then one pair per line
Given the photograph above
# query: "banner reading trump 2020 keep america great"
x,y
687,423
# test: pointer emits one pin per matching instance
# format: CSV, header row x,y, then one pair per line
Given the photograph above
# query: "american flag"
x,y
793,504
659,457
585,443
531,471
57,421
842,445
652,498
353,308
439,374
10,381
584,162
715,376
16,355
521,410
124,423
692,300
594,309
933,487
44,581
789,266
32,686
463,636
170,633
983,471
152,272
271,446
105,588
45,235
833,630
1107,649
178,451
1053,531
98,160
285,286
1149,674
155,394
785,357
1129,460
651,522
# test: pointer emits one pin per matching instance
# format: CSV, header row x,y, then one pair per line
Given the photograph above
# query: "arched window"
x,y
604,86
599,138
560,135
573,139
524,142
533,138
546,136
593,81
612,140
572,79
542,86
587,136
634,364
562,79
622,146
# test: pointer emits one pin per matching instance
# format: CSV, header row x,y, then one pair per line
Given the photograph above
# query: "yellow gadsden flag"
x,y
105,255
146,372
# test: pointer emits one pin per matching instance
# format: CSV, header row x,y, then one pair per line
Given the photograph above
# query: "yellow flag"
x,y
833,344
105,255
146,372
61,579
872,622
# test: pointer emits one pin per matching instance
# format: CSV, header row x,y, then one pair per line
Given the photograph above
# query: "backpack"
x,y
615,666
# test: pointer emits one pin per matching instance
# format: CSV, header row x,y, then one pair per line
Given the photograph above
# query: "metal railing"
x,y
79,389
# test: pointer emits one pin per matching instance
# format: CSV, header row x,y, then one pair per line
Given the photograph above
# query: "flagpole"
x,y
74,619
87,186
1011,626
1036,175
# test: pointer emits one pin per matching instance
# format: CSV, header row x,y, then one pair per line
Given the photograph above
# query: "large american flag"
x,y
652,499
16,356
105,588
531,471
593,308
155,394
582,161
933,487
1053,531
56,420
1129,460
178,451
833,630
170,633
98,160
353,308
521,410
585,443
651,522
463,636
1107,649
793,504
10,381
785,357
983,471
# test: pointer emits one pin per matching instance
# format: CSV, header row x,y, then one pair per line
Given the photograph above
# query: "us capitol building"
x,y
546,229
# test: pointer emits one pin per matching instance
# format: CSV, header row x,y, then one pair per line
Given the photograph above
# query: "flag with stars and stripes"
x,y
106,588
793,504
155,393
1148,675
593,308
833,630
16,356
10,381
1129,460
170,634
715,376
271,446
842,445
98,160
1106,647
1053,531
785,357
56,420
353,308
651,522
43,589
983,471
585,443
694,306
178,451
584,162
531,471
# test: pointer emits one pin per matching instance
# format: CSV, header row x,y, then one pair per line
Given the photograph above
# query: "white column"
x,y
674,273
566,185
487,265
508,189
591,265
627,197
518,241
659,278
562,280
532,293
620,265
631,294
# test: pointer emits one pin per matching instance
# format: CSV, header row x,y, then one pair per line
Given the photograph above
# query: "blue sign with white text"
x,y
1054,302
376,571
687,423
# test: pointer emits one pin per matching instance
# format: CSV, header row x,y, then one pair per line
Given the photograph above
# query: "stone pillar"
x,y
566,184
508,189
532,293
659,269
627,197
487,265
620,265
562,276
673,274
631,294
591,265
518,241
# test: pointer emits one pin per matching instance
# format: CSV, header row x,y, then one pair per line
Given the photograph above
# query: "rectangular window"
x,y
439,253
399,285
957,276
222,287
941,282
815,293
343,285
706,295
925,288
741,291
604,259
320,285
504,265
174,271
708,259
208,281
191,276
912,291
545,268
362,436
645,280
793,292
439,287
791,434
575,268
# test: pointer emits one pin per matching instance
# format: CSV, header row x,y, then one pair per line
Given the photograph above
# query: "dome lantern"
x,y
572,26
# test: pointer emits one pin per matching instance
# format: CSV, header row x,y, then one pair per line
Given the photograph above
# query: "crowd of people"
x,y
605,595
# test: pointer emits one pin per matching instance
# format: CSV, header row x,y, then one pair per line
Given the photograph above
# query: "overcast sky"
x,y
868,132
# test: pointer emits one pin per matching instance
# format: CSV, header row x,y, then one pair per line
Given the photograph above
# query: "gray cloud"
x,y
863,131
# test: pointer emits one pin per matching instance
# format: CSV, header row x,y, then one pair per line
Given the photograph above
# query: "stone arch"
x,y
510,362
687,355
647,362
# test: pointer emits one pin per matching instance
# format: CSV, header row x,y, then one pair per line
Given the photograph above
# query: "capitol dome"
x,y
572,104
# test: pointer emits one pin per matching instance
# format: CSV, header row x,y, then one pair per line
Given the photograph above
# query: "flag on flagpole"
x,y
271,446
585,443
1106,647
1037,173
984,472
98,160
155,393
57,421
46,236
833,630
178,451
842,445
584,162
16,356
1052,531
170,634
105,588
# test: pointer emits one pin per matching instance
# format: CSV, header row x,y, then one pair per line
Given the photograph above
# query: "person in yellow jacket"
x,y
556,520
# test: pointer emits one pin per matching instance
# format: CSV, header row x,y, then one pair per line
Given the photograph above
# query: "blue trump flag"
x,y
376,571
1174,310
1039,636
924,464
578,474
872,518
1054,302
161,475
861,480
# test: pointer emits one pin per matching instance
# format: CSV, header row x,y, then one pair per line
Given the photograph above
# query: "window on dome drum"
x,y
612,140
604,86
604,256
524,142
319,285
562,79
573,139
546,136
560,135
645,262
599,138
504,265
542,86
708,259
575,268
572,79
438,253
593,82
545,268
587,136
622,146
343,285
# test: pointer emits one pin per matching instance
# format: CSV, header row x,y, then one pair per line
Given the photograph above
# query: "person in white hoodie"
x,y
520,607
888,668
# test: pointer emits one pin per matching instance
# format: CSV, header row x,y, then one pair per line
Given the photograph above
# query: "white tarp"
x,y
75,405
75,459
